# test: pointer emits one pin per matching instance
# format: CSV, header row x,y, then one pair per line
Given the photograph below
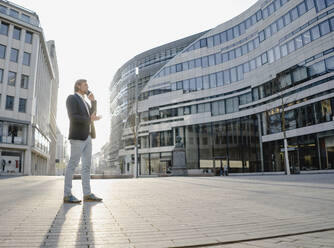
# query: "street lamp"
x,y
136,124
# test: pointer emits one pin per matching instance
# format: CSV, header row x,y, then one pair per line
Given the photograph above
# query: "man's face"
x,y
83,87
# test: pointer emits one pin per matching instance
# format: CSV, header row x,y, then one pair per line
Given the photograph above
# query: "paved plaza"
x,y
230,212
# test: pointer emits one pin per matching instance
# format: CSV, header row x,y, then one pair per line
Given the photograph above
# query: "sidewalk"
x,y
254,211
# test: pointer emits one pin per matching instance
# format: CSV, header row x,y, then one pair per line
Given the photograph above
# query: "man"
x,y
81,132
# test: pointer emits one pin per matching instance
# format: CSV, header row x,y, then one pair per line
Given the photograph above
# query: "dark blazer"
x,y
79,118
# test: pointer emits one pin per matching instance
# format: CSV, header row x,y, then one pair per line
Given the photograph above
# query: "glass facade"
x,y
13,133
235,106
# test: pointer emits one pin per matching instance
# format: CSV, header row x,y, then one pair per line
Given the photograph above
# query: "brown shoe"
x,y
71,199
92,198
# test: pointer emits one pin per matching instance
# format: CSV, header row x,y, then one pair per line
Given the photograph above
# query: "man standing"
x,y
81,133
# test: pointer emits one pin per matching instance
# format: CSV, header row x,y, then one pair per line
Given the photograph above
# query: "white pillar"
x,y
287,165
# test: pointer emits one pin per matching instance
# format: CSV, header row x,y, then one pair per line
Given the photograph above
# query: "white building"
x,y
27,76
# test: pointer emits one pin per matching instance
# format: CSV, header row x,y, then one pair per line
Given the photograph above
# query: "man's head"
x,y
81,86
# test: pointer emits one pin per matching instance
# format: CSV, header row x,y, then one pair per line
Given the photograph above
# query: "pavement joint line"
x,y
255,239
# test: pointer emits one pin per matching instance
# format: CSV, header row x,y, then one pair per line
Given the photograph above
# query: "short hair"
x,y
78,83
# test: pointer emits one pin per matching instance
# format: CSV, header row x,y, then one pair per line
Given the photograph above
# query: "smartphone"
x,y
88,93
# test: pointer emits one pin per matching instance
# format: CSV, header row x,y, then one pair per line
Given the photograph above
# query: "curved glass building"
x,y
123,92
240,90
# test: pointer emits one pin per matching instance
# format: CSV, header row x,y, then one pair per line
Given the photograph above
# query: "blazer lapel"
x,y
81,104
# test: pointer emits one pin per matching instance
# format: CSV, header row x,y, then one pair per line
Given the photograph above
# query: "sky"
x,y
95,38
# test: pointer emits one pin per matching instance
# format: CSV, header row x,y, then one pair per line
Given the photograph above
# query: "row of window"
x,y
14,55
10,104
218,58
14,13
12,76
4,28
284,80
237,73
239,29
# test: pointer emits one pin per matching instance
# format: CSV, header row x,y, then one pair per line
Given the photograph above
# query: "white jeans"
x,y
79,149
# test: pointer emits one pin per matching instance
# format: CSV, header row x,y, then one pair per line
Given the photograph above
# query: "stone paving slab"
x,y
238,211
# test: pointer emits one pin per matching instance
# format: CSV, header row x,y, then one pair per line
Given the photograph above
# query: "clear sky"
x,y
95,38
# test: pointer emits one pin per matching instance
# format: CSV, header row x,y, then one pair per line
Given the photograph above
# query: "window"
x,y
310,4
25,81
324,28
301,8
294,14
28,38
238,52
299,74
199,83
320,4
225,57
213,80
267,32
277,52
220,78
14,13
317,68
271,57
203,43
17,33
26,56
214,108
9,102
284,50
287,19
4,28
273,28
218,58
179,67
250,45
259,15
245,98
262,36
2,51
298,42
185,66
212,60
264,58
3,9
11,78
242,28
280,23
240,72
25,18
291,46
330,64
200,108
244,49
315,32
329,2
252,64
198,62
232,105
246,67
226,76
248,23
206,82
216,39
306,37
230,34
22,105
236,31
258,61
256,42
331,21
233,74
265,13
205,62
231,55
223,37
186,85
210,41
1,75
191,64
179,85
271,9
14,55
